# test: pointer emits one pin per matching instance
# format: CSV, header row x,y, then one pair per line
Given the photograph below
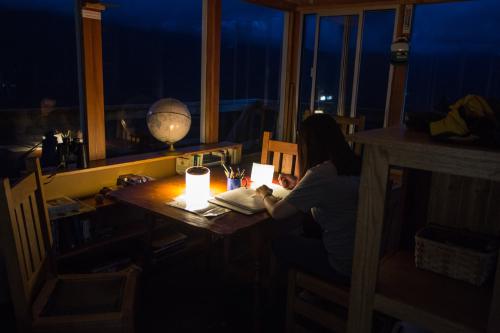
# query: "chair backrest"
x,y
349,126
283,155
25,239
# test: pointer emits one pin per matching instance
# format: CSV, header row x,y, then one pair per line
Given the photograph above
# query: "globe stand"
x,y
171,149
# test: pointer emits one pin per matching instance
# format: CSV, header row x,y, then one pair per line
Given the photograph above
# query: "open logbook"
x,y
243,200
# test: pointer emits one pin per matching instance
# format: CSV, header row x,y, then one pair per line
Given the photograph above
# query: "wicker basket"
x,y
456,253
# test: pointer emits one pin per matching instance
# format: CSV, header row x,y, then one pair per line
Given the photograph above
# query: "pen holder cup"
x,y
234,183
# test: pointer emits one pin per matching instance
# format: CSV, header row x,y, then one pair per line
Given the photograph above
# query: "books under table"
x,y
65,207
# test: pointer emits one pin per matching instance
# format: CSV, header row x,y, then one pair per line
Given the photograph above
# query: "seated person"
x,y
328,188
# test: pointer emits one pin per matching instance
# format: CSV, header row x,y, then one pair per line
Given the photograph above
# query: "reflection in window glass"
x,y
38,76
378,31
250,72
454,51
151,50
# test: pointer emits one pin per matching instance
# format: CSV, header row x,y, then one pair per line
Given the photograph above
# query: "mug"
x,y
234,183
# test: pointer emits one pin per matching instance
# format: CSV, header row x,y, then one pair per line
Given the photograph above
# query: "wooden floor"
x,y
184,298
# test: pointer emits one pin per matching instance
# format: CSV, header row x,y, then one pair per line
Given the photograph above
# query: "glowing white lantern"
x,y
197,187
262,174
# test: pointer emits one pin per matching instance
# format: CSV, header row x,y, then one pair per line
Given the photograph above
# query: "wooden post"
x,y
290,64
210,75
399,72
94,90
369,225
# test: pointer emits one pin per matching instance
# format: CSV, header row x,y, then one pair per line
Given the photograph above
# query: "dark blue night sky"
x,y
171,15
467,31
440,27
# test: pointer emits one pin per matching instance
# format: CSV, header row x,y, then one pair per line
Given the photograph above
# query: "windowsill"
x,y
141,158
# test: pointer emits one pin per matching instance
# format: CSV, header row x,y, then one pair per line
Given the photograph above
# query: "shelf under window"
x,y
431,300
132,231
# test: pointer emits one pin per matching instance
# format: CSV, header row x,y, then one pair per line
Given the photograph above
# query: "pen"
x,y
226,171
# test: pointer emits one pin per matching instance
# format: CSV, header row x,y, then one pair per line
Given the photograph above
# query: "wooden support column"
x,y
210,75
94,91
399,72
290,70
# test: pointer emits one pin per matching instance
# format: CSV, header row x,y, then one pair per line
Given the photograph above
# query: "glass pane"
x,y
378,31
151,51
450,58
329,61
38,76
306,64
249,72
335,63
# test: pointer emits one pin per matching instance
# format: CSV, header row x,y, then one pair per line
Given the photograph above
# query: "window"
x,y
151,50
38,76
378,31
335,63
454,51
250,70
328,81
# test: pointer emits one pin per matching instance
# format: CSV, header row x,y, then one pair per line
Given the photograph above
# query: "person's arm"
x,y
278,209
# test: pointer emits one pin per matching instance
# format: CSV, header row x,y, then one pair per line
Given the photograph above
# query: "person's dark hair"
x,y
320,139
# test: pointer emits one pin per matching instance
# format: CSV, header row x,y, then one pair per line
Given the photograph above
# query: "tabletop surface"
x,y
403,138
154,195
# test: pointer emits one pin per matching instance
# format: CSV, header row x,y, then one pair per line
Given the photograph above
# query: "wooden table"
x,y
394,286
153,196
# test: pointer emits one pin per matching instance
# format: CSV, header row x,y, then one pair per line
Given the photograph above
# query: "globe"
x,y
168,120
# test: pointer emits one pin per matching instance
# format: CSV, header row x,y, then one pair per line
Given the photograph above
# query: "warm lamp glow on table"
x,y
197,188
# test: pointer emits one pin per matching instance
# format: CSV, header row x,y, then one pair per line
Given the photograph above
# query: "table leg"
x,y
371,209
256,240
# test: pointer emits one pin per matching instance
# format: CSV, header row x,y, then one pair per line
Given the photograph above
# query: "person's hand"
x,y
263,191
287,181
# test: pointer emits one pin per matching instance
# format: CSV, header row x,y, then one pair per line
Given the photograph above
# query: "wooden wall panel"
x,y
463,202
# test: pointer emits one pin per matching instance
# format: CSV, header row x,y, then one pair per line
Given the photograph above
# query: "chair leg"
x,y
290,300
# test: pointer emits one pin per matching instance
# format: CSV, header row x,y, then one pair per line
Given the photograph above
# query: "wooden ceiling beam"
x,y
281,5
291,5
331,4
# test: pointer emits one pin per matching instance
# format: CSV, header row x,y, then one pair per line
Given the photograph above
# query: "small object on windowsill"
x,y
131,179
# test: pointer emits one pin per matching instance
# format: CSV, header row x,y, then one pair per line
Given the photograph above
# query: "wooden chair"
x,y
42,300
283,155
349,126
329,310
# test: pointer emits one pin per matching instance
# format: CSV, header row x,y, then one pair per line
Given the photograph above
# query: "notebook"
x,y
243,198
245,201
